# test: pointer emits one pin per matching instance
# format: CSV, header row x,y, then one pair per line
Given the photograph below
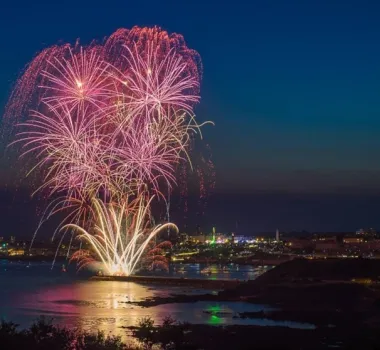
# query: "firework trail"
x,y
120,237
102,124
196,179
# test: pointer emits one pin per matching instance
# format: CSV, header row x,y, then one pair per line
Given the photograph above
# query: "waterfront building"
x,y
298,243
16,251
327,243
353,240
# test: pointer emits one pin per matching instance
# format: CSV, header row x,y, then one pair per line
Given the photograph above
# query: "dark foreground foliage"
x,y
43,335
172,335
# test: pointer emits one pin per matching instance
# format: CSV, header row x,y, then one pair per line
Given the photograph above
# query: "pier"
x,y
196,282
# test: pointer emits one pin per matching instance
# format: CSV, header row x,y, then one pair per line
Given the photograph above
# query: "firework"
x,y
97,125
82,79
120,237
102,124
156,84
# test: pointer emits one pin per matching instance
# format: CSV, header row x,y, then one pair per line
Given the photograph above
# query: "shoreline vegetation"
x,y
44,335
172,335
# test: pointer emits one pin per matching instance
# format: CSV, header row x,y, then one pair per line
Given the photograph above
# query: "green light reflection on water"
x,y
214,320
215,308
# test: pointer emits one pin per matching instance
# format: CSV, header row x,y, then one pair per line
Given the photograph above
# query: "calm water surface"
x,y
30,290
229,271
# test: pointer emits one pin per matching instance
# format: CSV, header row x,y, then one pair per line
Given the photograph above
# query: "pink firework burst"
x,y
81,78
157,84
110,121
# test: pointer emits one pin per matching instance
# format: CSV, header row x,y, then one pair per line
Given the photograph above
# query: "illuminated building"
x,y
244,239
366,233
277,235
326,243
371,245
16,252
13,239
353,240
298,243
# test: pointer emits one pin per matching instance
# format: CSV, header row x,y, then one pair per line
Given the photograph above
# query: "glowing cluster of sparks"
x,y
118,255
108,126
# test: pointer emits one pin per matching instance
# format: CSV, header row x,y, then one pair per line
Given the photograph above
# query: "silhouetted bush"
x,y
170,335
43,335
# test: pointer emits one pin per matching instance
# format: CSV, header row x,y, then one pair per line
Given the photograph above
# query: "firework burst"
x,y
82,78
107,123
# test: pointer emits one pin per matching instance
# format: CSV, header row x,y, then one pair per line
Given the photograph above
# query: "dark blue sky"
x,y
293,87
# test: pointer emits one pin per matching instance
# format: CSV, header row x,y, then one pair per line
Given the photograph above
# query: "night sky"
x,y
293,87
